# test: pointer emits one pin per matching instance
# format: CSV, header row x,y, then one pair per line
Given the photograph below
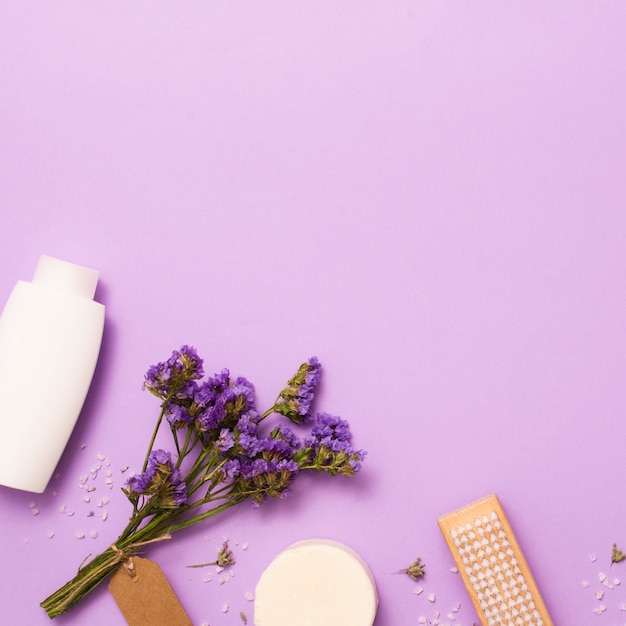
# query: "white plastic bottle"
x,y
50,336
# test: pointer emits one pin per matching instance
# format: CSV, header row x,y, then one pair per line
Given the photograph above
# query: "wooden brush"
x,y
492,565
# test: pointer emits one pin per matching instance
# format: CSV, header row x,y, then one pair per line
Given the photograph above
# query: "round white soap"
x,y
316,582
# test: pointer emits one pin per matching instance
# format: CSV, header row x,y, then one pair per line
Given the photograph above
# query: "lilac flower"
x,y
178,415
226,440
161,479
209,390
329,447
295,401
287,435
222,402
177,375
329,431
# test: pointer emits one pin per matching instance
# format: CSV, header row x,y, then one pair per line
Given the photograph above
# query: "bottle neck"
x,y
66,277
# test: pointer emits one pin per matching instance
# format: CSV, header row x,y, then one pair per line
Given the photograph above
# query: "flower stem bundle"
x,y
222,458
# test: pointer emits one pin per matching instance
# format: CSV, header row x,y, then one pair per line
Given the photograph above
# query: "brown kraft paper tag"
x,y
145,596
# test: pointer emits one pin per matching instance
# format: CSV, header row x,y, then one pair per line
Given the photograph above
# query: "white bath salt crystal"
x,y
35,511
62,509
109,473
207,578
316,582
86,499
244,546
104,515
457,607
593,558
55,492
123,469
437,615
219,569
100,456
69,513
249,596
418,590
32,504
431,597
107,462
599,595
105,500
91,489
454,570
617,582
422,620
622,606
83,446
586,584
601,577
221,580
50,534
80,535
451,616
83,479
94,534
225,607
57,476
601,609
231,573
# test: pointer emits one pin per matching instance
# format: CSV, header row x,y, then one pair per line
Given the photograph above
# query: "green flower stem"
x,y
190,521
200,463
166,400
103,565
87,579
186,449
269,411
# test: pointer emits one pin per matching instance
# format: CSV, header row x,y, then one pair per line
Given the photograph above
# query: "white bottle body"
x,y
50,337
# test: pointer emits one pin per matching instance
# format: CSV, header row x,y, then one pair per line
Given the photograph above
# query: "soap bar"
x,y
316,582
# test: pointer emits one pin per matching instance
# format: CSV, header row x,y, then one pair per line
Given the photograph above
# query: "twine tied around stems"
x,y
124,556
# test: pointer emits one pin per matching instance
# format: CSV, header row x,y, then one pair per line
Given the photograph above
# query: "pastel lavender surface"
x,y
430,197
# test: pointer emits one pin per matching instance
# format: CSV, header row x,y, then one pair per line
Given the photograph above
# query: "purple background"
x,y
428,196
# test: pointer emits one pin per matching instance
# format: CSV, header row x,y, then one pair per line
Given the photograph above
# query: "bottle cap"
x,y
66,277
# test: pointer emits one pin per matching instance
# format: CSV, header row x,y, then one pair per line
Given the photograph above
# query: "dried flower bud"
x,y
617,555
225,556
416,570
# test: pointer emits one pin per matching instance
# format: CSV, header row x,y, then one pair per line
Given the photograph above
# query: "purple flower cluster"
x,y
259,465
213,405
176,376
329,446
296,400
161,479
219,416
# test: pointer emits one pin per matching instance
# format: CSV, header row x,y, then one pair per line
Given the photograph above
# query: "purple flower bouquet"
x,y
222,458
